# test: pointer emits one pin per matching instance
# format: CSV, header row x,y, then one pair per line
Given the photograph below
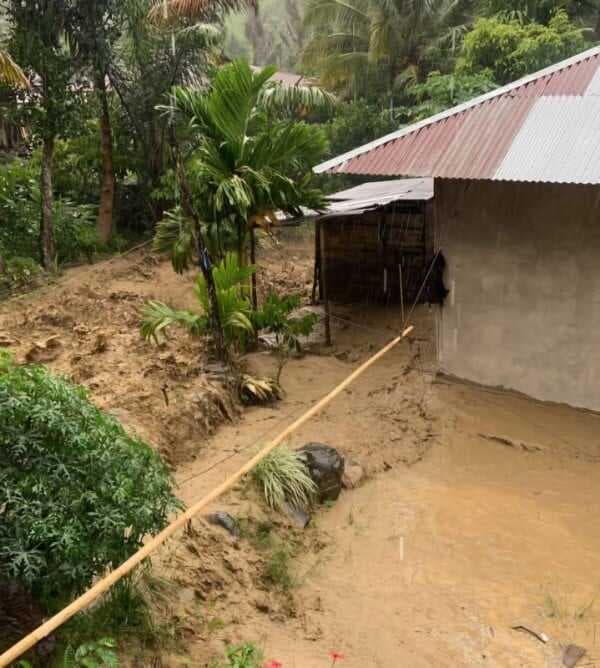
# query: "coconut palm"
x,y
10,73
250,157
363,45
196,9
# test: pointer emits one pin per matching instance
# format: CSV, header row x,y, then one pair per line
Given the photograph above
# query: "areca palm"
x,y
248,158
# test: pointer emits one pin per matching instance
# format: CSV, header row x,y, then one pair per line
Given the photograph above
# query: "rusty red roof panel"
x,y
472,139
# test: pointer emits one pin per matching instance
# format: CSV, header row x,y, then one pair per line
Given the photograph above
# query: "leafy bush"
x,y
20,206
282,477
234,307
77,494
19,271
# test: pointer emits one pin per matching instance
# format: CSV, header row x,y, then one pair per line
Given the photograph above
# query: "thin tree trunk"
x,y
204,261
107,193
47,226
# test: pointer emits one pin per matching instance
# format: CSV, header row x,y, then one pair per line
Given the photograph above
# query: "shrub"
x,y
282,477
19,272
77,494
20,206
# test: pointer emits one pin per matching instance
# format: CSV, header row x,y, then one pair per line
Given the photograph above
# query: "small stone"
x,y
262,604
226,521
354,474
572,654
44,351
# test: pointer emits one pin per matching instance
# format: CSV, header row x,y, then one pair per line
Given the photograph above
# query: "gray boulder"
x,y
326,467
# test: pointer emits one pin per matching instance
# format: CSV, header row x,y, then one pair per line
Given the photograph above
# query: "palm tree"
x,y
247,159
250,156
10,73
364,45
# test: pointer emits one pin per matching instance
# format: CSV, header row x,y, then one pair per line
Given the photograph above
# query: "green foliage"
x,y
247,655
20,202
511,49
442,91
234,307
77,493
277,317
282,477
97,654
357,123
277,569
19,272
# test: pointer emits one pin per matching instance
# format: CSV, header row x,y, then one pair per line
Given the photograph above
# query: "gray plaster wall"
x,y
523,269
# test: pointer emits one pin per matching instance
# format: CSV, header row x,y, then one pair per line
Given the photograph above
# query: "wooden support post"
x,y
323,285
253,262
317,276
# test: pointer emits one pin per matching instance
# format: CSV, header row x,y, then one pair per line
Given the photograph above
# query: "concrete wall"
x,y
523,269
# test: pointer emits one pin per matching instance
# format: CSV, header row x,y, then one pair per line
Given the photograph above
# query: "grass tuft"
x,y
282,477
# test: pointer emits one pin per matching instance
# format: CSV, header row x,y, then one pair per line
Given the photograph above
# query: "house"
x,y
516,214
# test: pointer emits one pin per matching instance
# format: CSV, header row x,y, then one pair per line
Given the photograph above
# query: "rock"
x,y
101,343
226,521
44,351
299,516
353,476
261,603
326,467
572,655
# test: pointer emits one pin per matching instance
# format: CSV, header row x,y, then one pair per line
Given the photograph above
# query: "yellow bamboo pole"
x,y
103,585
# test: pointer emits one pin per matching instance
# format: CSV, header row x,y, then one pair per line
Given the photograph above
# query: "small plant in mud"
x,y
97,654
247,655
234,307
277,569
277,317
282,478
254,390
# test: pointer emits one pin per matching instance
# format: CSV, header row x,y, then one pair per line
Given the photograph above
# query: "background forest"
x,y
88,147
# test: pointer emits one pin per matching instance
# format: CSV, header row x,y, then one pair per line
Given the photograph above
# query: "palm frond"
x,y
169,10
157,317
289,100
10,73
259,390
175,235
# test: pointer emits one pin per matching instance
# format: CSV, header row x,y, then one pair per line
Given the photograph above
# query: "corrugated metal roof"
x,y
475,139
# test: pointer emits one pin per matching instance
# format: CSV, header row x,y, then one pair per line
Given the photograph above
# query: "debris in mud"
x,y
541,636
6,340
572,655
226,521
44,351
509,442
100,344
326,468
354,474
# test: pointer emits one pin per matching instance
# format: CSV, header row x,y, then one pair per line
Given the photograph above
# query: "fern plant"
x,y
234,307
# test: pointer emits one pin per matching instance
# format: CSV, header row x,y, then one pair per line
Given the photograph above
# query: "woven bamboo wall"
x,y
364,256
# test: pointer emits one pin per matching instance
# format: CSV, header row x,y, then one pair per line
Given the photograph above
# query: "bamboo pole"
x,y
103,585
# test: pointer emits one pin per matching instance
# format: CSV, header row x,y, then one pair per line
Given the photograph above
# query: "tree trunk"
x,y
253,262
203,256
107,192
47,226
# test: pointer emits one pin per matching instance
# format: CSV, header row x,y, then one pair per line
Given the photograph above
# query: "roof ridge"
x,y
459,108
